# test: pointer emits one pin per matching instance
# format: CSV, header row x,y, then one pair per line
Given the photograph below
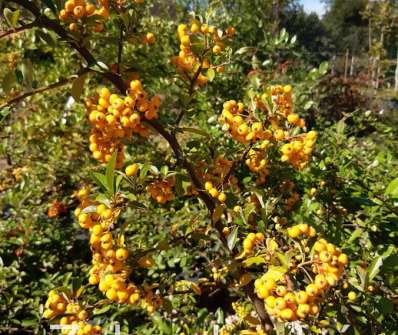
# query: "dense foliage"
x,y
191,167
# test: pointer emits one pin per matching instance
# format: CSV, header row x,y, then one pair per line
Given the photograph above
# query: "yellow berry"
x,y
352,295
121,254
131,170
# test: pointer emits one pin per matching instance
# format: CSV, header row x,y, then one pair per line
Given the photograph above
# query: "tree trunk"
x,y
396,75
370,60
333,69
377,81
346,64
352,66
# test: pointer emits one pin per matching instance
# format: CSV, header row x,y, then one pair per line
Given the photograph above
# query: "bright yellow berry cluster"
x,y
236,120
76,11
74,315
301,229
257,161
188,62
270,122
298,151
109,270
162,190
286,304
213,175
251,241
114,118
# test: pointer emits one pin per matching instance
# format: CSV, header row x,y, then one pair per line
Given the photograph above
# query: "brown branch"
x,y
18,30
120,48
20,97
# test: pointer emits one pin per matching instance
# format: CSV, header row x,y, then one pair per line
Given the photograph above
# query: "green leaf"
x,y
8,15
8,82
76,284
253,260
110,170
164,170
27,72
243,50
210,74
46,37
232,238
100,180
102,310
374,268
29,323
357,233
195,131
323,68
77,86
15,17
392,188
118,180
178,185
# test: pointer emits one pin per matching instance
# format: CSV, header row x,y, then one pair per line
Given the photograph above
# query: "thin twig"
x,y
19,29
120,48
20,97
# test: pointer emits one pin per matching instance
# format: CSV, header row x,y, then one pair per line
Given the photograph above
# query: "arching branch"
x,y
18,30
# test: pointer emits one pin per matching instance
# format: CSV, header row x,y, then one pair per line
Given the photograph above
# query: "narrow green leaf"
x,y
8,16
195,131
232,238
392,188
100,180
8,82
374,268
15,17
77,86
110,170
210,74
253,260
27,72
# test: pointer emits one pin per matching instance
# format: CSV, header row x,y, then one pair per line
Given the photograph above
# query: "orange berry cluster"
x,y
58,303
109,270
284,303
214,175
76,11
246,126
257,161
114,117
237,121
301,229
188,62
298,151
162,190
148,38
251,241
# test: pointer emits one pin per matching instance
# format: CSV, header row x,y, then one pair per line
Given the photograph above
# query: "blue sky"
x,y
313,6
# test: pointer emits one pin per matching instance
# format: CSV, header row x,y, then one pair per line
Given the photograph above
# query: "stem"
x,y
19,29
120,49
20,97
